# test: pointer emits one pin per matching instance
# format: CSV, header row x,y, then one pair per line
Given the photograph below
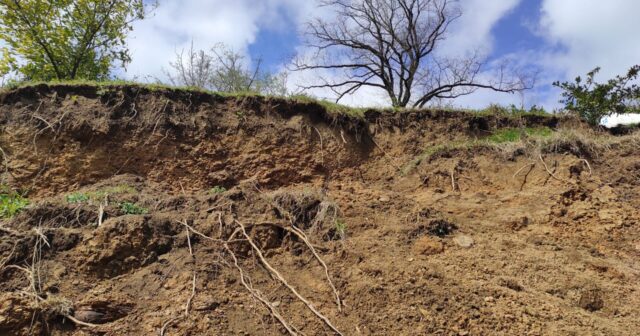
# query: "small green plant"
x,y
218,190
341,228
593,101
11,203
129,208
75,198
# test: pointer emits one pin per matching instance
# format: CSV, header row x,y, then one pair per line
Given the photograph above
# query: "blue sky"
x,y
561,38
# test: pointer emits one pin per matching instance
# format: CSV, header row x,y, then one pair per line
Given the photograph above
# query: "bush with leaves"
x,y
593,101
67,39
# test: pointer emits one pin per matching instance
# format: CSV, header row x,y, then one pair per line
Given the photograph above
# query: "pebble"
x,y
463,241
384,199
489,299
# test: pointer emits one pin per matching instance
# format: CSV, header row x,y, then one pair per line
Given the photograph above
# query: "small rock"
x,y
384,199
591,300
463,241
428,246
275,304
489,299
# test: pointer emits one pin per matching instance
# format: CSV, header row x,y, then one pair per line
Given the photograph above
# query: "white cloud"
x,y
591,33
176,22
472,31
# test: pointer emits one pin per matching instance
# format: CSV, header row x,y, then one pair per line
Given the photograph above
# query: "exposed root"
x,y
549,171
166,325
389,157
300,234
321,146
257,294
284,281
187,307
453,179
81,323
588,166
528,165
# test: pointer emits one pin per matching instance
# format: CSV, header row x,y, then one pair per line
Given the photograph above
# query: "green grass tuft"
x,y
11,203
217,190
129,208
77,197
516,134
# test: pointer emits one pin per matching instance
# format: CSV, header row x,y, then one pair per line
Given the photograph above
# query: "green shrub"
x,y
129,208
217,190
77,198
11,203
593,101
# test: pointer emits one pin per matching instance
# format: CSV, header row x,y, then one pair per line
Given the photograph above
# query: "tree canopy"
x,y
67,39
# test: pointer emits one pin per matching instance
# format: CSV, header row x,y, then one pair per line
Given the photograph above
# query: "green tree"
x,y
67,39
593,101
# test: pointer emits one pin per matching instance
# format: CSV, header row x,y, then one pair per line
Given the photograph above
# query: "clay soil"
x,y
168,212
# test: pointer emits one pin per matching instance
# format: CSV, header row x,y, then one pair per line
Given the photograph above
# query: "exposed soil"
x,y
469,241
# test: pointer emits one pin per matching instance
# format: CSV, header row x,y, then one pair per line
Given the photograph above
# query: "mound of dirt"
x,y
172,212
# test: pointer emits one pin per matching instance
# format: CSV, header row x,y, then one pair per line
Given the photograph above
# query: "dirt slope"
x,y
173,212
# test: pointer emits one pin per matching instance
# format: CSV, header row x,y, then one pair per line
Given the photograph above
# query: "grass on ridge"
x,y
331,107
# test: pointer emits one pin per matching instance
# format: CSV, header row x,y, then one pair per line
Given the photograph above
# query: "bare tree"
x,y
191,68
392,45
223,69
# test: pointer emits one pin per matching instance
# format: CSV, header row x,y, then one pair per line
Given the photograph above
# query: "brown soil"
x,y
455,246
